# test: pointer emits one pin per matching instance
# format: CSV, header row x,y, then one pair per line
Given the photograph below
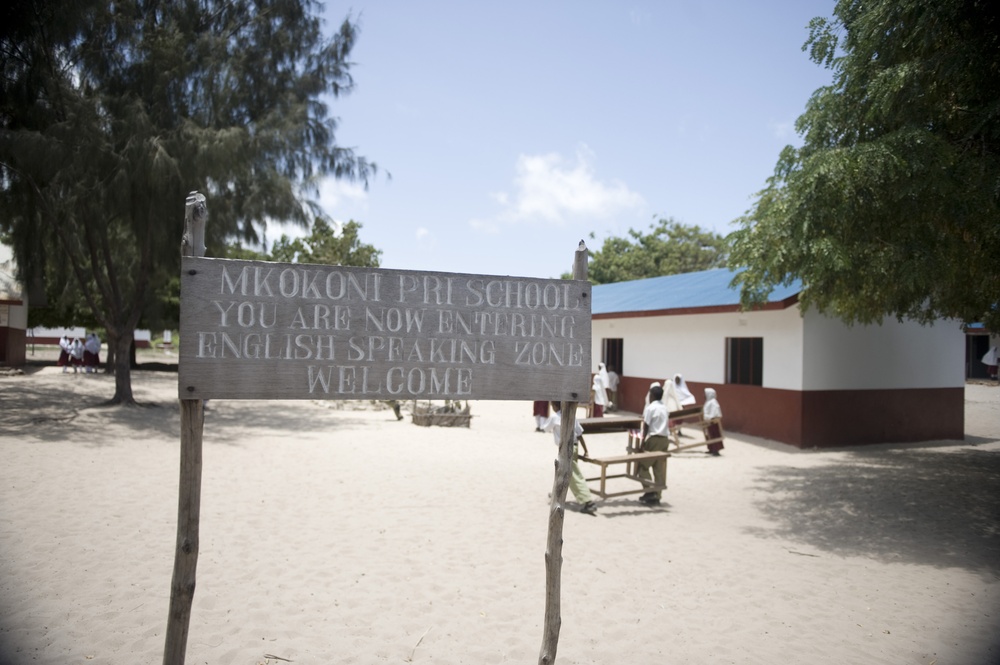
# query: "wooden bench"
x,y
631,472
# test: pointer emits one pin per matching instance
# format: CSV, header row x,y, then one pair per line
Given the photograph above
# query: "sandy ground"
x,y
335,534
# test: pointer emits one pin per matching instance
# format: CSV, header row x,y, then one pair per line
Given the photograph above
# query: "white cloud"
x,y
336,194
555,189
422,233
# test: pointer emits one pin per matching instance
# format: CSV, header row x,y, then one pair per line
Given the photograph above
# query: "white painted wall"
x,y
140,335
800,353
71,332
17,317
695,344
891,355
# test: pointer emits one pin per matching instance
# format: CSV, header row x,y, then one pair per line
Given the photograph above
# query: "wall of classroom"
x,y
824,383
694,345
880,357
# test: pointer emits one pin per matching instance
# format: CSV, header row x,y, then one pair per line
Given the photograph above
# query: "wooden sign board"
x,y
260,330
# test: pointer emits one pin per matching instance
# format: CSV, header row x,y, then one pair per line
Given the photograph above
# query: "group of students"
x,y
655,435
78,354
656,426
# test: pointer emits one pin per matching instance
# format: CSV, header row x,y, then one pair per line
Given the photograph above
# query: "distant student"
x,y
64,346
613,381
396,410
600,390
712,413
654,384
991,360
654,439
676,397
91,352
76,354
540,410
577,481
684,395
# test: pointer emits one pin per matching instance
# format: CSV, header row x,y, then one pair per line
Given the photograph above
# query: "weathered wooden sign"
x,y
260,330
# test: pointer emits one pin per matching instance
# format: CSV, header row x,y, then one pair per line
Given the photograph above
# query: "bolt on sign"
x,y
261,330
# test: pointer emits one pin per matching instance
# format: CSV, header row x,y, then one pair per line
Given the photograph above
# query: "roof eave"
x,y
712,309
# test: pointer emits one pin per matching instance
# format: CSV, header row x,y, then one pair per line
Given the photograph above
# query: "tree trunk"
x,y
109,359
121,342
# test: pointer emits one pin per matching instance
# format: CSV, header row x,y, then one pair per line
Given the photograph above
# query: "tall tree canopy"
x,y
890,207
111,112
668,249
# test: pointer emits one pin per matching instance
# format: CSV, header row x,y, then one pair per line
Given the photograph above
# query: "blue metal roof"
x,y
708,288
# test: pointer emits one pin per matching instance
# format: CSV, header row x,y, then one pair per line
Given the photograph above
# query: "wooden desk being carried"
x,y
631,472
610,424
693,417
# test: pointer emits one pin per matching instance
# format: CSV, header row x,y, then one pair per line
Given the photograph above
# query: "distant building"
x,y
978,340
809,381
13,312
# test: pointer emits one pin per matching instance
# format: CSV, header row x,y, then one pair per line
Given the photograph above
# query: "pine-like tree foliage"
x,y
111,112
891,207
669,248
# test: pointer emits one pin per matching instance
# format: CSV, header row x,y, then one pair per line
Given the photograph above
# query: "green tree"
x,y
669,248
110,113
890,207
327,245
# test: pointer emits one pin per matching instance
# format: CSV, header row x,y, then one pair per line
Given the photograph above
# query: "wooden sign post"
x,y
263,330
557,511
189,490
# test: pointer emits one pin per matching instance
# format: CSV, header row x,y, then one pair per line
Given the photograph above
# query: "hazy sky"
x,y
514,129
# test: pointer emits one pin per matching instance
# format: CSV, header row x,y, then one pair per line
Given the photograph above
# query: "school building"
x,y
805,380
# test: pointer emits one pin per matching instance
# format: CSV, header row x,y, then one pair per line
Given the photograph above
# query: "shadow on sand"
x,y
939,508
75,408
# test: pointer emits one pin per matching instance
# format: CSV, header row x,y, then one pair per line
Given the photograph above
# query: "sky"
x,y
506,132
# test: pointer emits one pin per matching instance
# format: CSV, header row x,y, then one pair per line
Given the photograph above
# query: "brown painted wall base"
x,y
828,418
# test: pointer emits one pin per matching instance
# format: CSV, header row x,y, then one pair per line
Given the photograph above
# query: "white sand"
x,y
343,536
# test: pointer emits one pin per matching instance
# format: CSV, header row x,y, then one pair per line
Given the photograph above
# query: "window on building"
x,y
745,360
612,353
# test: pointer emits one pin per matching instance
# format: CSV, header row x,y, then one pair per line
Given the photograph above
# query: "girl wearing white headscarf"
x,y
670,399
92,352
600,389
654,384
64,346
676,396
991,361
712,413
76,354
684,395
